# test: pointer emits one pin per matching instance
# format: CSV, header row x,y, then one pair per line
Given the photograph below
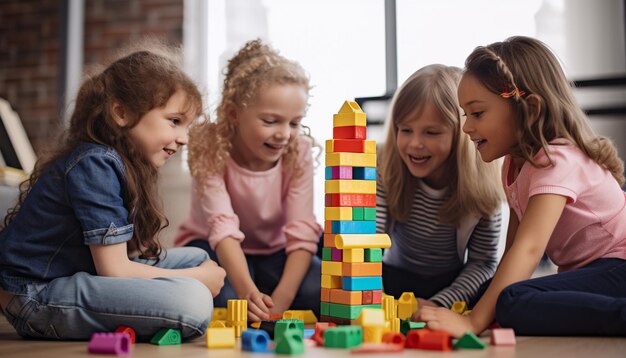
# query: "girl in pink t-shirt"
x,y
563,186
252,202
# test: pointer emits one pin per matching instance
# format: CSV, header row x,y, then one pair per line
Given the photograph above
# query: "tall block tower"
x,y
352,253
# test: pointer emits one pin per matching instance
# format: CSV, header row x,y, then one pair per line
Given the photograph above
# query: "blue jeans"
x,y
74,307
266,271
589,301
396,281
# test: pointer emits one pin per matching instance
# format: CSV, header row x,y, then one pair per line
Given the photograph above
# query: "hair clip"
x,y
506,93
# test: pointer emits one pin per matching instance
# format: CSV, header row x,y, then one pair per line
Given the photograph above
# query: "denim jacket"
x,y
75,203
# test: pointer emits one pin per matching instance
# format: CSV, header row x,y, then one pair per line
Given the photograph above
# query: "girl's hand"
x,y
439,318
421,303
259,305
282,301
212,276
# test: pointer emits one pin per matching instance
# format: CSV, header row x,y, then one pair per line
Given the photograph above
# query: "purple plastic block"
x,y
109,343
336,254
342,172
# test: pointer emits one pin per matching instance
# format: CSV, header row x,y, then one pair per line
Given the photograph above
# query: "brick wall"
x,y
32,41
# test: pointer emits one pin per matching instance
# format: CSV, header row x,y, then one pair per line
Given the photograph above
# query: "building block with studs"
x,y
129,330
220,337
110,343
285,325
343,337
167,337
290,343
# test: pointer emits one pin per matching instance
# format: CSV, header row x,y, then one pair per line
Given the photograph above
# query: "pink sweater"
x,y
267,211
593,223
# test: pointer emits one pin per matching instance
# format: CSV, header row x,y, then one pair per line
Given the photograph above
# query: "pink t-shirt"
x,y
593,223
267,211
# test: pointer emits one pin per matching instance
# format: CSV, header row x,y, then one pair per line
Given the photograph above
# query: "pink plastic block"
x,y
336,254
342,172
503,337
109,343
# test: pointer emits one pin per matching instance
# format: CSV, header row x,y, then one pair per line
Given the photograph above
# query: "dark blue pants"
x,y
397,281
266,271
589,301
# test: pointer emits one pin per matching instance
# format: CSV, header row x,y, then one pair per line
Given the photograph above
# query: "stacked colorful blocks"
x,y
352,253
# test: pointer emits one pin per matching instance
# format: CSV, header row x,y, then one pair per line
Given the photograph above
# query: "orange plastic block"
x,y
435,340
345,297
325,294
320,327
503,337
329,239
362,268
357,200
394,338
414,336
350,132
372,297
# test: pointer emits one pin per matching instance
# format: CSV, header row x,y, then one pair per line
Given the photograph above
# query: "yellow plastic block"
x,y
350,159
350,114
459,307
356,269
219,313
220,337
389,307
407,304
373,334
394,325
255,325
218,323
307,316
332,268
350,186
237,315
352,255
371,317
329,281
338,213
352,298
363,241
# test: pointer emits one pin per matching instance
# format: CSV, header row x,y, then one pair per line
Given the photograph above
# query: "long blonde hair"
x,y
254,67
474,185
528,65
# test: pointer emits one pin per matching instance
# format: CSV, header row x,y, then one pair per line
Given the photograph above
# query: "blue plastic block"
x,y
255,340
364,173
353,227
364,283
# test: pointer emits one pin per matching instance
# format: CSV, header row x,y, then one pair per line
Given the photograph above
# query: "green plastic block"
x,y
373,255
407,325
343,337
166,337
291,342
324,308
469,341
369,214
327,254
357,214
284,325
348,312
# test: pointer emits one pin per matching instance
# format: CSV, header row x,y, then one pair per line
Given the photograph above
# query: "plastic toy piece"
x,y
350,132
331,268
345,297
362,283
407,304
350,146
350,227
219,314
327,254
459,307
290,343
362,269
337,213
347,241
347,199
503,337
255,340
407,325
413,337
394,338
364,173
129,330
435,340
166,337
220,337
353,255
389,307
350,187
336,254
325,294
371,317
109,343
349,114
372,297
338,173
469,341
343,337
284,325
373,254
218,324
237,315
318,335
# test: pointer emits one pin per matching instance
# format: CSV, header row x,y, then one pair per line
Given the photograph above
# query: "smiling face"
x,y
424,140
266,127
490,119
161,132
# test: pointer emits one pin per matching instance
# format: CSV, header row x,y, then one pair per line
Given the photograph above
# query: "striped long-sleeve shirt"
x,y
425,246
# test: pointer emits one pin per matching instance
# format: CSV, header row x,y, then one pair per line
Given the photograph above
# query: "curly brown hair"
x,y
255,66
143,78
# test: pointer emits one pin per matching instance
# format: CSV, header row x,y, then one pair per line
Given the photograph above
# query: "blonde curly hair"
x,y
254,67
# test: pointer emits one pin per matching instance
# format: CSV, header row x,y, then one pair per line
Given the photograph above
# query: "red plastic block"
x,y
394,338
503,337
414,336
349,132
354,200
130,331
349,145
435,340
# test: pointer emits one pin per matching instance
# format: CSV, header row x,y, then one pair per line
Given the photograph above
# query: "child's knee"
x,y
509,304
193,302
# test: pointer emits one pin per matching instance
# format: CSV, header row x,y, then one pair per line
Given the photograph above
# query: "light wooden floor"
x,y
11,345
